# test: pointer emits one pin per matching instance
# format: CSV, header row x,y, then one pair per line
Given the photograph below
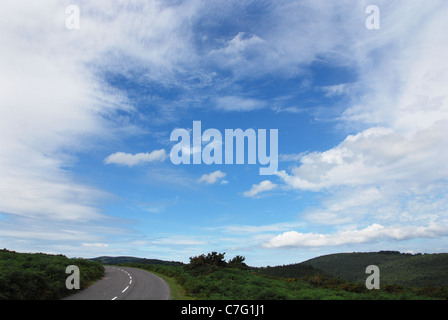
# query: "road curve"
x,y
123,283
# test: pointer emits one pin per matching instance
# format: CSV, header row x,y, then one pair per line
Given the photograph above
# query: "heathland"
x,y
211,277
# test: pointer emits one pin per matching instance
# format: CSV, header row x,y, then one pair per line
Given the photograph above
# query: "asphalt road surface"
x,y
123,283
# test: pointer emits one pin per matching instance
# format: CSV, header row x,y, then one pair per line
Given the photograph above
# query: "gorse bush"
x,y
39,276
206,264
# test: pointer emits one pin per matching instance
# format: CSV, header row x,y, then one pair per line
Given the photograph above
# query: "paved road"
x,y
123,283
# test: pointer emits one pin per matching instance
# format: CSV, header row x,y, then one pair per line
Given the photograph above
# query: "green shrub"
x,y
40,276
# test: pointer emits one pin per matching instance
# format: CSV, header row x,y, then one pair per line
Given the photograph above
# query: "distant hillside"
x,y
124,259
290,271
395,268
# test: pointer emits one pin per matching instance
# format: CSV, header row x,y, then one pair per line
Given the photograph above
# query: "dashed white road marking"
x,y
130,282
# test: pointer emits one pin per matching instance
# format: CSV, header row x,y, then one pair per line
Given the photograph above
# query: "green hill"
x,y
290,271
125,259
416,270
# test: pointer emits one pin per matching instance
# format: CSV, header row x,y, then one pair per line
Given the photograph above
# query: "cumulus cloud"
x,y
213,177
377,175
373,156
371,233
127,159
256,189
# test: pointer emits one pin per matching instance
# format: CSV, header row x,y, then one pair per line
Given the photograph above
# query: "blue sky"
x,y
86,117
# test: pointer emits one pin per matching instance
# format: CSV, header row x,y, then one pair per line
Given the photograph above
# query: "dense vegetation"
x,y
290,271
40,276
416,270
211,277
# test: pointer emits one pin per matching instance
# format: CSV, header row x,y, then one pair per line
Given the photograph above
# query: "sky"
x,y
88,106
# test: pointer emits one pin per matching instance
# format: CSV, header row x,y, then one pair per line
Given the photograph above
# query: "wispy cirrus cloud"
x,y
235,103
55,104
50,104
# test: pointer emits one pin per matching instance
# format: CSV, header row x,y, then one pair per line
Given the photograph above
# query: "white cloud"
x,y
256,189
235,53
213,177
377,175
158,206
336,90
239,44
178,241
405,88
371,233
376,155
58,198
130,160
291,157
250,229
52,107
234,103
54,103
96,245
391,172
293,110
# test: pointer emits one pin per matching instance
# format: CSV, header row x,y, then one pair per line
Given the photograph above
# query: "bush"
x,y
40,276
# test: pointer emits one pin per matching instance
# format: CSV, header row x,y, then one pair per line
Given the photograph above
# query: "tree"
x,y
237,262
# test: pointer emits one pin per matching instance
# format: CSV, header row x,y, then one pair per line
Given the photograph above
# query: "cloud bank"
x,y
371,233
